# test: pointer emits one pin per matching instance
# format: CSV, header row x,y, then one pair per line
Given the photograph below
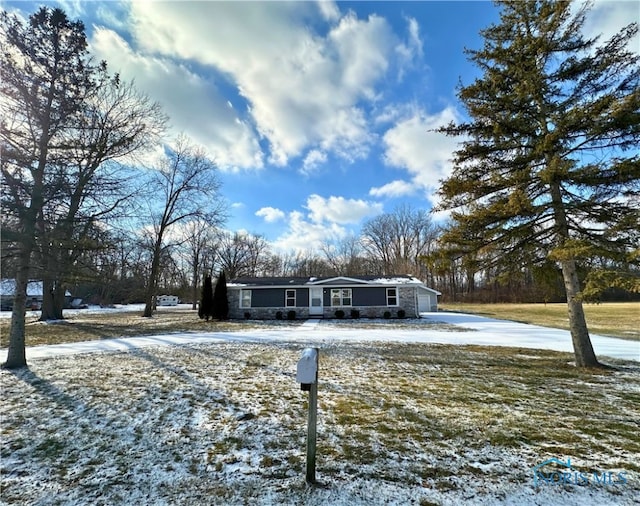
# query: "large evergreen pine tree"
x,y
206,309
548,167
45,75
220,300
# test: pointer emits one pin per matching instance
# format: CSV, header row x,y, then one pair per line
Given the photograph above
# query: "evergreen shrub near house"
x,y
402,313
387,315
291,315
247,315
355,314
205,309
220,300
339,314
278,315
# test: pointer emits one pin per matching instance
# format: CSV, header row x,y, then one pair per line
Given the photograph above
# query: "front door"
x,y
315,302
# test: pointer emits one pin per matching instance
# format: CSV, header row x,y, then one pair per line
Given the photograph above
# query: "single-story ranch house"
x,y
371,296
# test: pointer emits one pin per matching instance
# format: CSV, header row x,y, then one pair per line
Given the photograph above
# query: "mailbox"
x,y
307,376
307,372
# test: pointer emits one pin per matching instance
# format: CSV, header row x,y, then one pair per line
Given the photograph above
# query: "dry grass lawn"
x,y
94,326
419,424
615,319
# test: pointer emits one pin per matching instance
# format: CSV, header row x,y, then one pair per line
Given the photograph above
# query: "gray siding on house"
x,y
275,297
267,297
370,296
302,297
370,301
361,295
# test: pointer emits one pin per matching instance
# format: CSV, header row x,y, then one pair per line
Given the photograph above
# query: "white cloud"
x,y
190,100
607,17
314,158
270,214
113,15
396,188
73,8
305,235
304,90
424,154
390,113
326,221
329,10
409,52
340,210
414,35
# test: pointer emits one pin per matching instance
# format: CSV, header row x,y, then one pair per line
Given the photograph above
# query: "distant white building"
x,y
167,300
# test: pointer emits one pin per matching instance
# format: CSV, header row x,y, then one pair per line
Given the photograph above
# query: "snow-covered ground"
x,y
474,329
94,309
216,418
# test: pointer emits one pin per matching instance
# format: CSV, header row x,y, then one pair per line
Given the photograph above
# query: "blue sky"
x,y
317,113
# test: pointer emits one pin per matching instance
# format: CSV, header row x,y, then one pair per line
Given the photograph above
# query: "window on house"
x,y
245,298
341,297
392,296
290,298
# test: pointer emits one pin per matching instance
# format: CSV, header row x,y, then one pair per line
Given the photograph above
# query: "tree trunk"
x,y
16,356
582,348
52,300
194,286
59,299
46,311
148,302
153,279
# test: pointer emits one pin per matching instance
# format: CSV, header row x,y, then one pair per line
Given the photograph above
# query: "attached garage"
x,y
427,299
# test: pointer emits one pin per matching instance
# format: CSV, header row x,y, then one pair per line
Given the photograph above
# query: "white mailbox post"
x,y
307,376
307,372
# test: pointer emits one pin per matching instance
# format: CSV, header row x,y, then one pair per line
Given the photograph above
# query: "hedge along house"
x,y
372,296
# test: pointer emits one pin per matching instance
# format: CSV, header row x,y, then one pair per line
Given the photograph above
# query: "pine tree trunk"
x,y
582,348
16,356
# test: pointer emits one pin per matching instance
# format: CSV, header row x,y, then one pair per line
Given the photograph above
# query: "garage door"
x,y
424,303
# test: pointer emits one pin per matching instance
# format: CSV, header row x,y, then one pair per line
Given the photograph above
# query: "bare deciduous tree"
x,y
199,249
396,241
185,186
241,254
117,122
346,256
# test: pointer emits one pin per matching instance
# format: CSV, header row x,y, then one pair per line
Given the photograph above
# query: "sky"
x,y
319,115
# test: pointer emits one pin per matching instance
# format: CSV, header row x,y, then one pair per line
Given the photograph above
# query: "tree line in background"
x,y
543,196
119,270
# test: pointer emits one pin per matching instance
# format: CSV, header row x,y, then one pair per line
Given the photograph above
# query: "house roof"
x,y
321,281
